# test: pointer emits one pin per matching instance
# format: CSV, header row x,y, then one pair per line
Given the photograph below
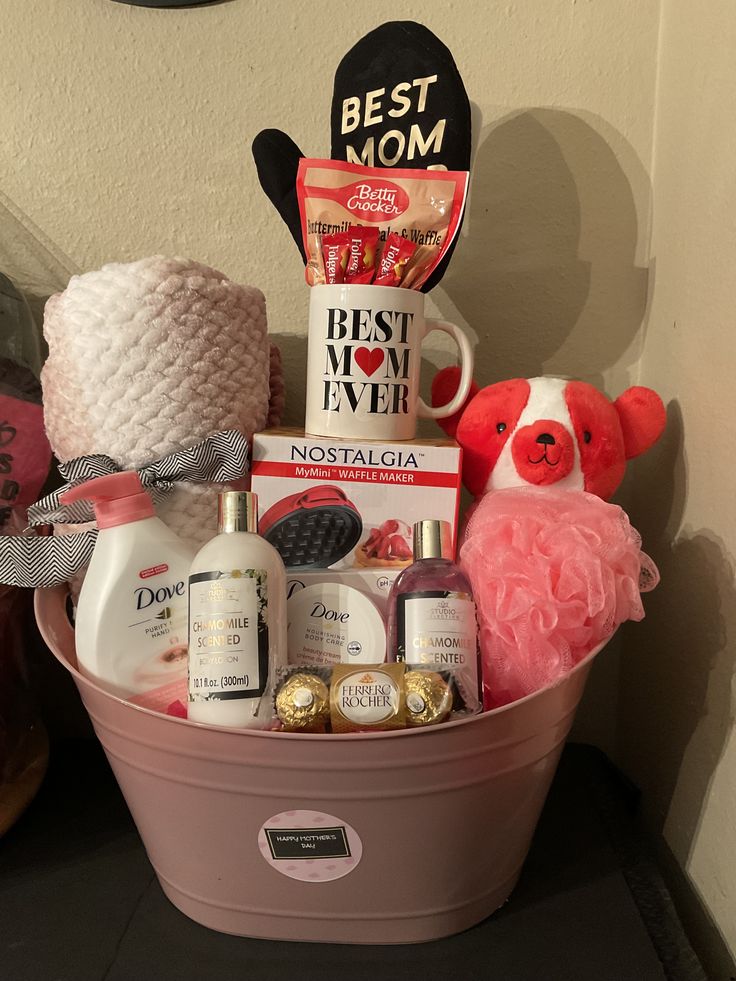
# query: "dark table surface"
x,y
79,900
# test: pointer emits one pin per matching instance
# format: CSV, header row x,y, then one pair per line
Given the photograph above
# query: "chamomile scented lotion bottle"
x,y
237,620
432,617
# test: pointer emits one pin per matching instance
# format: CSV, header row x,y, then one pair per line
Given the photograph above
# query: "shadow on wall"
x,y
293,349
676,702
546,272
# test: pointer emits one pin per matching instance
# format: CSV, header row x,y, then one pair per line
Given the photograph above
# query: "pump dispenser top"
x,y
118,498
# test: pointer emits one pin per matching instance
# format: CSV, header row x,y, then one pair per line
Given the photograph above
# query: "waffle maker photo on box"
x,y
313,529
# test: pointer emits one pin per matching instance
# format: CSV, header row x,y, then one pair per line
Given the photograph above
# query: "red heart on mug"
x,y
369,361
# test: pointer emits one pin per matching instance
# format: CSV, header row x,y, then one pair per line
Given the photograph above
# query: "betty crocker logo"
x,y
371,200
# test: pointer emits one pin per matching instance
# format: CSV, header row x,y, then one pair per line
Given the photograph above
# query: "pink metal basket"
x,y
415,834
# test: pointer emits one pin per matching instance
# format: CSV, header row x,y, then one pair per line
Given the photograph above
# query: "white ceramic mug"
x,y
364,359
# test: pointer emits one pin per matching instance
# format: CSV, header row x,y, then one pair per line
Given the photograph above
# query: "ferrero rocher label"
x,y
302,703
428,698
366,698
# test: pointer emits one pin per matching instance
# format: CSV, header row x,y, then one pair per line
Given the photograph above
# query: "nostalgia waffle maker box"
x,y
343,504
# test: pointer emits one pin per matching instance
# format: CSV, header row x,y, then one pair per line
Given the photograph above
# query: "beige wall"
x,y
677,695
125,131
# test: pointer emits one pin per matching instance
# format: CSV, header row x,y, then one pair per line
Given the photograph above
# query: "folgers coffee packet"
x,y
397,253
362,258
423,207
365,698
335,254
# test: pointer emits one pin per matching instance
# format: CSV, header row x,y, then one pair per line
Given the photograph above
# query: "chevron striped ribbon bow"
x,y
47,560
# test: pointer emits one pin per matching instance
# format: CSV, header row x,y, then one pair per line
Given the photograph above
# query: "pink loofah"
x,y
554,573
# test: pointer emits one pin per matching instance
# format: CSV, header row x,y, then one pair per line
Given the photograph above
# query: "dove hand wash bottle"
x,y
131,619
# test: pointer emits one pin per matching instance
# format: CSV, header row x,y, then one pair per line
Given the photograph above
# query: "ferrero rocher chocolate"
x,y
302,703
428,698
366,698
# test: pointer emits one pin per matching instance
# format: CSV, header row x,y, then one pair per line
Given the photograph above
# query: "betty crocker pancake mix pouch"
x,y
416,214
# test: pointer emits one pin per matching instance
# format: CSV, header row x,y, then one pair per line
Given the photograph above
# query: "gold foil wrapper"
x,y
428,698
367,698
303,703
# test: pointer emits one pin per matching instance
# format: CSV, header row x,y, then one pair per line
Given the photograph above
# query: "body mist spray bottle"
x,y
432,622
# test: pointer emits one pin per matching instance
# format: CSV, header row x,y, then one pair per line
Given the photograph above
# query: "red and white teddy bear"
x,y
545,431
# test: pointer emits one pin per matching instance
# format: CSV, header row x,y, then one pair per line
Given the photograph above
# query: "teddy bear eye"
x,y
500,426
586,436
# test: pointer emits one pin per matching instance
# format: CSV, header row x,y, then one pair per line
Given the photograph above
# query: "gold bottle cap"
x,y
432,540
237,511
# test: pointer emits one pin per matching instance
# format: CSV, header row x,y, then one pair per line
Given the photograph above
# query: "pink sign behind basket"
x,y
25,454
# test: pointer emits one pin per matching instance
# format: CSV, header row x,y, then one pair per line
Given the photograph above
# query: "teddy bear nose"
x,y
546,439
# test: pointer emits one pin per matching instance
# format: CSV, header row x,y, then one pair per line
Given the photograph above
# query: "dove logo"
x,y
145,596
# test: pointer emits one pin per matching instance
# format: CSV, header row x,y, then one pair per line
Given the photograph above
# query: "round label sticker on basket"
x,y
310,846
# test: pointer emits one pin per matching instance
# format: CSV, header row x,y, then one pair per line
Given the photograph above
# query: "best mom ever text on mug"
x,y
364,360
387,365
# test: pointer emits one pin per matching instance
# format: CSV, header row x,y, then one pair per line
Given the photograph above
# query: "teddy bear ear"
x,y
444,385
643,417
